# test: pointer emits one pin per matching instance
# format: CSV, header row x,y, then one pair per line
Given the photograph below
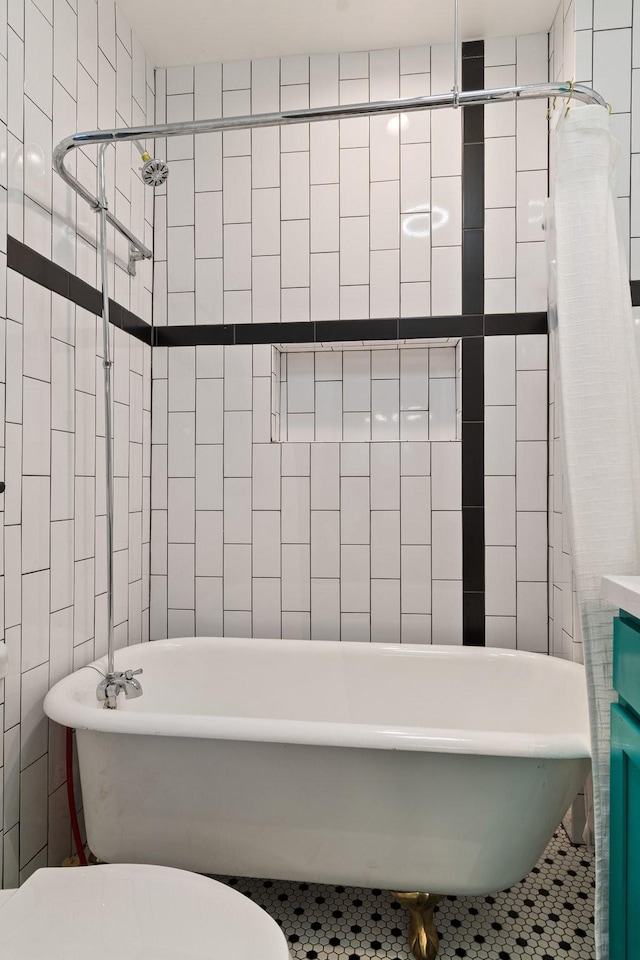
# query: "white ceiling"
x,y
200,31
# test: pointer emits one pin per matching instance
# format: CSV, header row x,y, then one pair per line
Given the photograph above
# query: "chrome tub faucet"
x,y
116,683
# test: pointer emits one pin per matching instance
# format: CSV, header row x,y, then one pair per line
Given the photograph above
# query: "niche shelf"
x,y
367,391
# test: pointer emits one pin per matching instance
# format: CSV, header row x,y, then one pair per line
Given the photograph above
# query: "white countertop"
x,y
623,592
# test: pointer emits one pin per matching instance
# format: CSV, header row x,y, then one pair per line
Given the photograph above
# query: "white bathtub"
x,y
401,767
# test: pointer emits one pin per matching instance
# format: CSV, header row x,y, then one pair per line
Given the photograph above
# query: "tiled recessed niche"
x,y
367,391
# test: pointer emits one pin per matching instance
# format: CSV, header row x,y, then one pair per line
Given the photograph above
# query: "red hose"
x,y
73,814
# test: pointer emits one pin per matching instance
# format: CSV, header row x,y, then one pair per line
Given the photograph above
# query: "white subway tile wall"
x,y
344,219
348,538
350,526
516,491
314,540
383,394
53,560
515,178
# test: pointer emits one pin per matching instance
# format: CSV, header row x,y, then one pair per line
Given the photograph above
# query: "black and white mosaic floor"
x,y
547,916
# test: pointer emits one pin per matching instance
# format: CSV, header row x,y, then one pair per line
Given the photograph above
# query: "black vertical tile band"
x,y
473,79
472,269
473,183
472,464
473,383
473,536
473,166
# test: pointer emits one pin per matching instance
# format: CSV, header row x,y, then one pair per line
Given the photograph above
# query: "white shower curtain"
x,y
593,329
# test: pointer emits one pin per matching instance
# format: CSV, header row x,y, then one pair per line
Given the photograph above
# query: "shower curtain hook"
x,y
551,108
572,84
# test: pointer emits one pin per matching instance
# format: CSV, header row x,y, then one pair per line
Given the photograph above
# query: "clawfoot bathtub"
x,y
410,768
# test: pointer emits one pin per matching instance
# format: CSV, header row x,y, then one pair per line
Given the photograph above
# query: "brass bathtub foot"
x,y
74,861
423,936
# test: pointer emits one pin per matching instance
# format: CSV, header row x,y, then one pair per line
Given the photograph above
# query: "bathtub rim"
x,y
62,705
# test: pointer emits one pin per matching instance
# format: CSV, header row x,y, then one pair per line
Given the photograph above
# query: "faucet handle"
x,y
130,674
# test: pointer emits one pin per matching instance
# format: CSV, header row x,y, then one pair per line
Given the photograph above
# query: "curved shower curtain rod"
x,y
139,251
114,682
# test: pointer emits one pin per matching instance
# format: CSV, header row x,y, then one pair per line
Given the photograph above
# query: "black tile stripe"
x,y
473,79
338,331
473,48
130,322
473,575
272,332
83,294
473,465
327,330
503,324
473,382
473,605
193,336
473,200
473,124
473,537
472,270
31,264
460,326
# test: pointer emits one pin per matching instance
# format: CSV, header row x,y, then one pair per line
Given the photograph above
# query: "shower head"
x,y
154,172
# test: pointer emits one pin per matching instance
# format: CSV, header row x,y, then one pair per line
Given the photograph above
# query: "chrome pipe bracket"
x,y
135,255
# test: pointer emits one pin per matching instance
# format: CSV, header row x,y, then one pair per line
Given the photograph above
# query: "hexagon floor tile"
x,y
548,915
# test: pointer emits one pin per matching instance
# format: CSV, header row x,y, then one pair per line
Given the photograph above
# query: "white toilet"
x,y
133,912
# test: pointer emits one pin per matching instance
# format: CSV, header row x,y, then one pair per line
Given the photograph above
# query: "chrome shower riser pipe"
x,y
107,365
538,91
112,684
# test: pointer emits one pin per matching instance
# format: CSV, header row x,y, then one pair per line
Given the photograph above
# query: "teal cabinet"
x,y
624,894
